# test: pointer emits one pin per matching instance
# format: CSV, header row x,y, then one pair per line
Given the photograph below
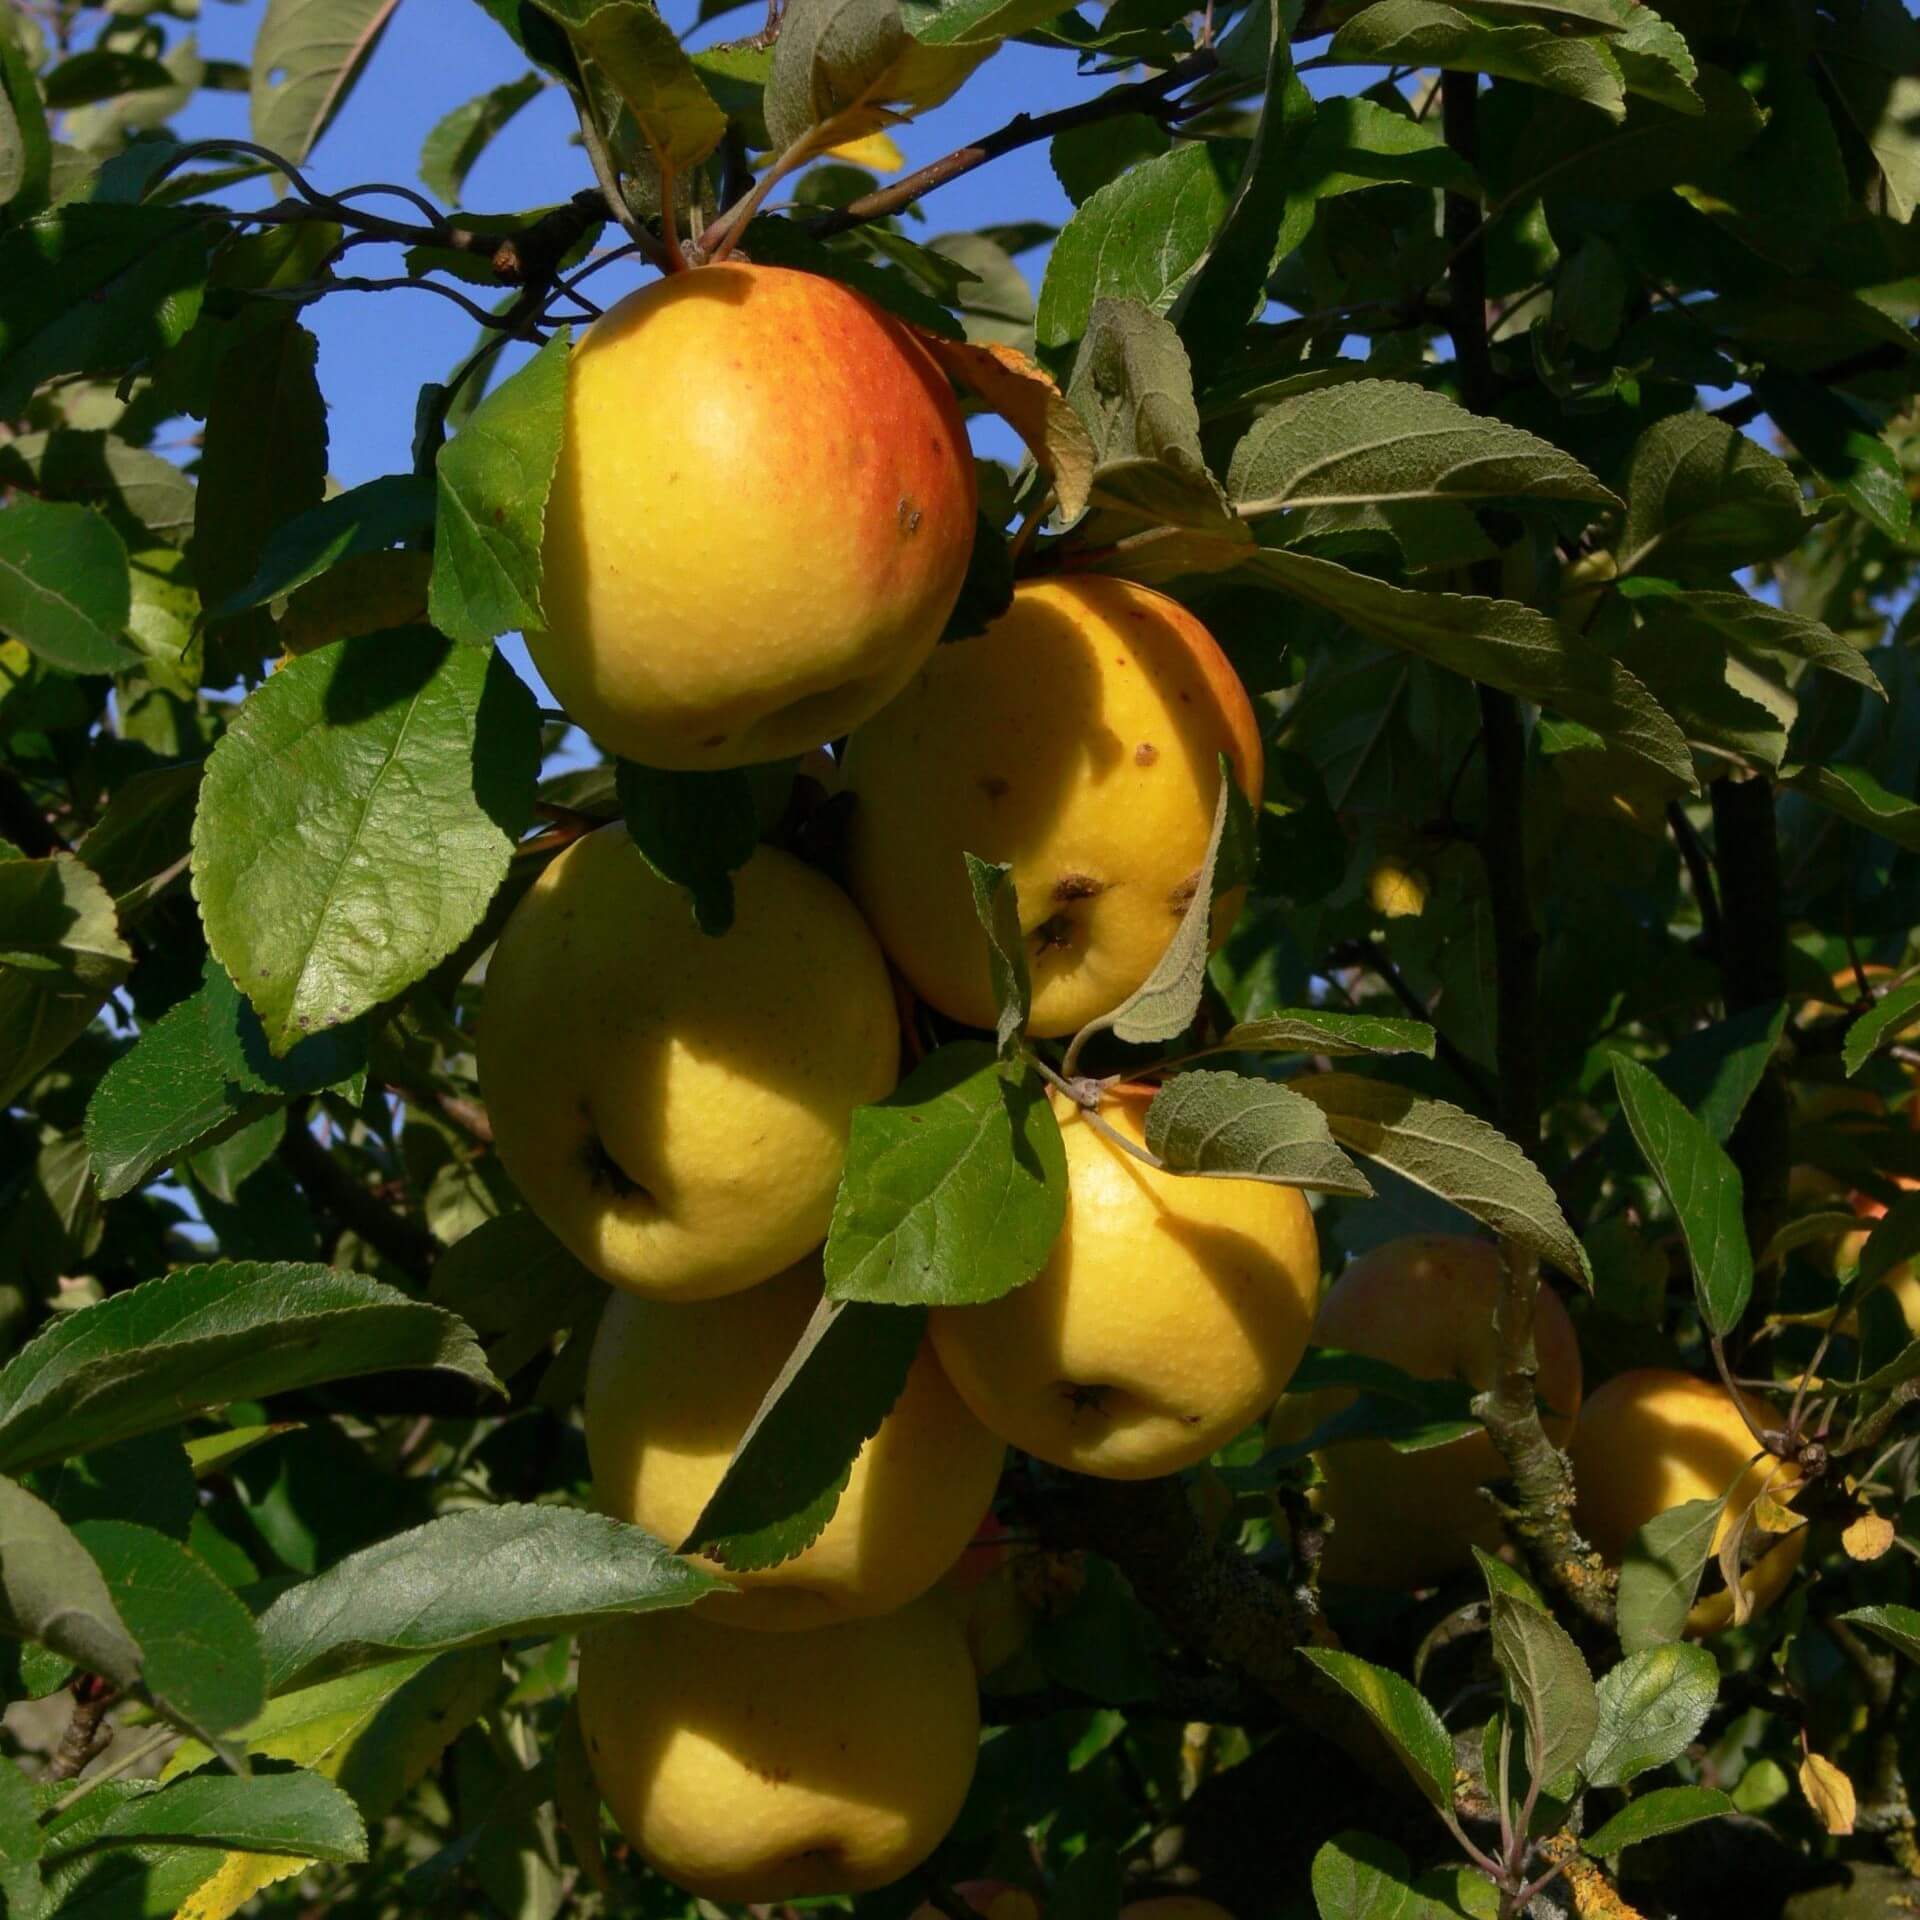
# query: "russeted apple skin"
x,y
676,1107
1652,1439
763,1767
671,1388
1079,739
1170,1313
762,514
1423,1303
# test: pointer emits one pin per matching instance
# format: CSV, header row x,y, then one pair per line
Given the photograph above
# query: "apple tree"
x,y
1174,1171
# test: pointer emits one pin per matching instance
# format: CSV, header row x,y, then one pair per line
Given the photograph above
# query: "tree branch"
x,y
1700,872
1542,1479
1753,970
334,1190
1023,130
1216,1603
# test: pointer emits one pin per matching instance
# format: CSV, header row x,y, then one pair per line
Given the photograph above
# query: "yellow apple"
x,y
676,1107
991,1899
671,1388
1425,1304
767,1767
1170,1312
1652,1439
760,521
1079,739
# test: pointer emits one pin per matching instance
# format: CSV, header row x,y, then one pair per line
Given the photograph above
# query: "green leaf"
x,y
1357,143
1133,386
1359,1876
1841,443
831,55
1375,441
1309,1030
58,921
52,1592
493,478
200,1656
1701,496
492,1573
1871,56
1163,1005
1549,1682
203,1336
307,57
1137,238
1854,794
291,1812
93,289
25,151
1400,1711
1229,1126
1652,1705
167,1095
355,819
1271,209
1516,648
64,586
647,67
1428,33
1879,1026
791,1465
1453,1154
975,22
1660,1573
1754,626
366,519
997,902
693,829
1664,1810
214,1453
458,139
20,1834
955,1186
1899,1627
1702,1186
265,459
144,496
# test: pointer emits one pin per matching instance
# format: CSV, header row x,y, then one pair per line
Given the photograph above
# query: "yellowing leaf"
x,y
875,151
1829,1793
1868,1537
239,1878
1021,393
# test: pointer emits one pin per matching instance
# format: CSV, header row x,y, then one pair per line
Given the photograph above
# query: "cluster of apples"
x,y
760,523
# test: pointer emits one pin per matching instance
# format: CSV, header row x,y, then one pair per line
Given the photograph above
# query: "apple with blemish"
x,y
1078,739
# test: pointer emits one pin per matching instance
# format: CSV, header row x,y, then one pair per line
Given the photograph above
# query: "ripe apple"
x,y
1652,1439
1079,739
676,1107
671,1388
1170,1312
1425,1304
763,1767
760,521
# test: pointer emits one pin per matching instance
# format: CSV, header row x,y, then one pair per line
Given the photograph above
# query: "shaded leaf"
x,y
364,519
695,830
997,902
1549,1682
1854,794
1700,495
288,1812
306,59
1401,1712
493,478
458,139
51,1591
203,1336
1451,1153
1702,1186
1309,1030
64,586
1649,1815
790,1466
1660,1573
